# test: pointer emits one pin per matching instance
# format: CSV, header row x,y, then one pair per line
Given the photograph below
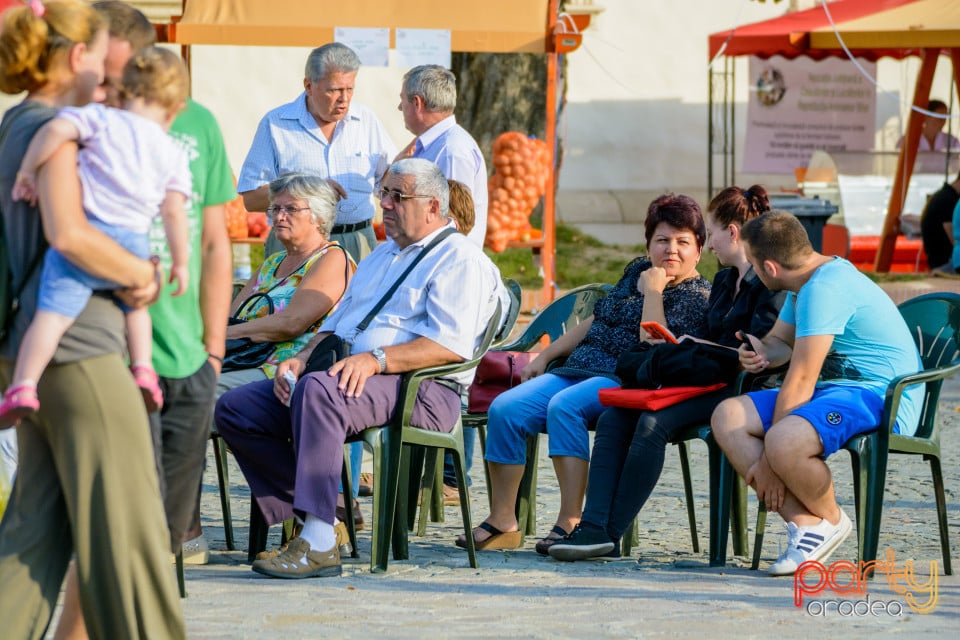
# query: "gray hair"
x,y
330,58
319,196
436,85
428,180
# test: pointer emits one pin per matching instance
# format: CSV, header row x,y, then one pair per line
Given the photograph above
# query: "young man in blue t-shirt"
x,y
845,341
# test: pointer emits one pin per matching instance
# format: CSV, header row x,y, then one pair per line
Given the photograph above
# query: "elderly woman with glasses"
x,y
301,284
292,292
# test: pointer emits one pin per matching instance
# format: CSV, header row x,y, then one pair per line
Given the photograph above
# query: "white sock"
x,y
318,533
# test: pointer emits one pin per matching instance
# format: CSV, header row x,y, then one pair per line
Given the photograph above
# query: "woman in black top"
x,y
629,446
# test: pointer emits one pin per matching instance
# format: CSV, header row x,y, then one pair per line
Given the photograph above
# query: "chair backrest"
x,y
490,334
559,316
513,312
934,323
410,382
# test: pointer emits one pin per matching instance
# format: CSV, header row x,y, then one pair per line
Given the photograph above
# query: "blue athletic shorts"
x,y
837,412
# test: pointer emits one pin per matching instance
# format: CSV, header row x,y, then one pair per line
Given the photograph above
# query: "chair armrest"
x,y
410,385
895,389
523,342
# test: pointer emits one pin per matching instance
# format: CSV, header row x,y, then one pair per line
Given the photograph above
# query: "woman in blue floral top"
x,y
664,287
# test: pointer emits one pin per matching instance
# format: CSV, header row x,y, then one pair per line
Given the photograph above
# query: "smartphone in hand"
x,y
657,330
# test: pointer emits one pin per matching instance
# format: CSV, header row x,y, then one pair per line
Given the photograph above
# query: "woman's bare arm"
x,y
319,290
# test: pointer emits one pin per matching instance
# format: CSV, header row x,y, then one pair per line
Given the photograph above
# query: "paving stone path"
x,y
664,589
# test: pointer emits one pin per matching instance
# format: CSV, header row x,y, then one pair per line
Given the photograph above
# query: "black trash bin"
x,y
811,212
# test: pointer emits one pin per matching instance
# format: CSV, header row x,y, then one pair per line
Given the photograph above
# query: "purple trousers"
x,y
292,457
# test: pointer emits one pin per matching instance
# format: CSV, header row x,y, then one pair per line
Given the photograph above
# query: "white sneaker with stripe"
x,y
810,543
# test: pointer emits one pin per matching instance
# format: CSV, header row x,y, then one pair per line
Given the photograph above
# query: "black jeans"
x,y
180,432
627,458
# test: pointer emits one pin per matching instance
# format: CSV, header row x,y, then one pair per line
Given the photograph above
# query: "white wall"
x,y
637,114
636,117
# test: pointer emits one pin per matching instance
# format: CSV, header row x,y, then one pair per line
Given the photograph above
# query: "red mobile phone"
x,y
657,330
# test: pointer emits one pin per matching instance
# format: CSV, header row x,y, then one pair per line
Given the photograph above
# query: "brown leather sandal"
x,y
497,540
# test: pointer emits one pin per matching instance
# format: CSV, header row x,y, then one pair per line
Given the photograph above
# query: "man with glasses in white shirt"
x,y
436,316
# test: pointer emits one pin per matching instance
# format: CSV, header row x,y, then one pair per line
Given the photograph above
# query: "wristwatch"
x,y
381,358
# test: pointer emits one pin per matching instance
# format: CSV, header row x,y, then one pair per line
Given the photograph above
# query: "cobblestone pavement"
x,y
664,589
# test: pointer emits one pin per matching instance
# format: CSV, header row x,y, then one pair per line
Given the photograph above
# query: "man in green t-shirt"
x,y
189,330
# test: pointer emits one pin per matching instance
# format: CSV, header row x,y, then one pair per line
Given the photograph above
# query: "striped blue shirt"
x,y
289,139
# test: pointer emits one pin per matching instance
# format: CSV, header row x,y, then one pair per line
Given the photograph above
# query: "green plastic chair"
x,y
516,301
394,446
562,314
258,529
718,513
181,582
934,322
435,494
223,480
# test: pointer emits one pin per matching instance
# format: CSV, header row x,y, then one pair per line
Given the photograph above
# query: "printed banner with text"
x,y
800,106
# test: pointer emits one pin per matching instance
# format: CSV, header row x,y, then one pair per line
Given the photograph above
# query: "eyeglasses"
x,y
288,210
397,196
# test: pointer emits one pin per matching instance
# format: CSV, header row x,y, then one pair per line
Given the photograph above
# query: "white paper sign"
x,y
372,45
423,46
799,106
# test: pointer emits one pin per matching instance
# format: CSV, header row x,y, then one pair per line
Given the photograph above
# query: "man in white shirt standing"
x,y
427,101
322,132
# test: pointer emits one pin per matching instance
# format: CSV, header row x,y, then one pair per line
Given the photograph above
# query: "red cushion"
x,y
652,399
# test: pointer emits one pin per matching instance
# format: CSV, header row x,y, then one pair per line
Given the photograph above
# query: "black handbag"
x,y
333,348
326,353
244,353
688,363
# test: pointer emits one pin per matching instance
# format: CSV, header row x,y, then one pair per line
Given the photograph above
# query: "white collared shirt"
x,y
289,139
455,151
449,298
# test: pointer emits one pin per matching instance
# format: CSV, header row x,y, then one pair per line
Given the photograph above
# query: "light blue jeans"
x,y
563,407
